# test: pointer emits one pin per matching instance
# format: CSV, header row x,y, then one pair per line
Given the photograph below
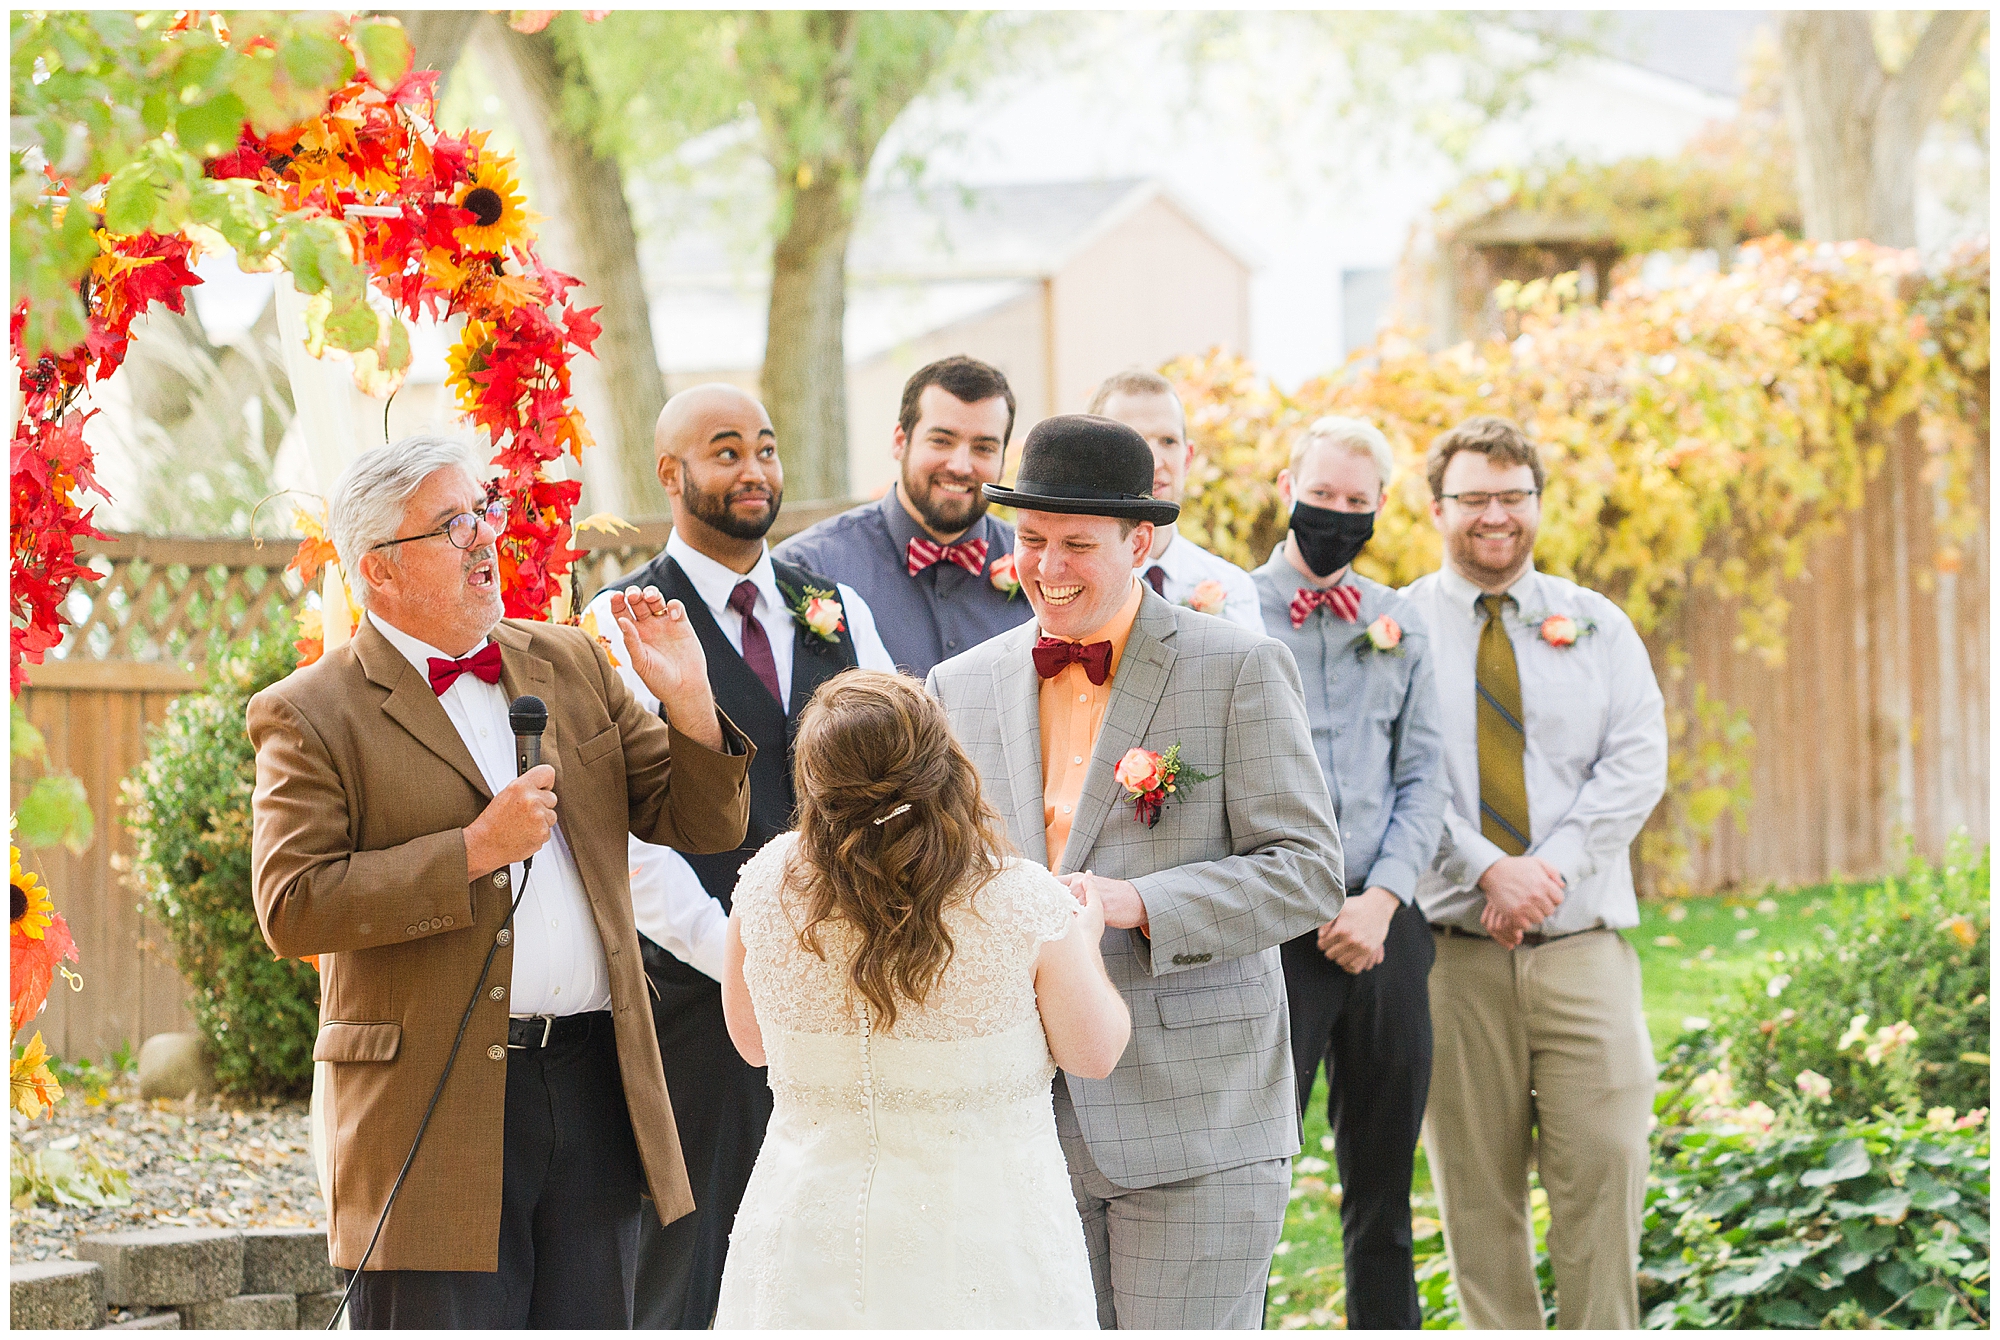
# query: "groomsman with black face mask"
x,y
1358,986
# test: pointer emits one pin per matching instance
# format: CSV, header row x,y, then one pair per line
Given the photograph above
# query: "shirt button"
x,y
556,992
498,993
496,1053
1065,809
1077,759
951,644
504,938
1083,697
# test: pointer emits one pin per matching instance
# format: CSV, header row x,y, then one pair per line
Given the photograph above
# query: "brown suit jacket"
x,y
363,793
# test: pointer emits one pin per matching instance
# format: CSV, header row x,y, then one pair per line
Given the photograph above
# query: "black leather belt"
x,y
530,1032
1531,939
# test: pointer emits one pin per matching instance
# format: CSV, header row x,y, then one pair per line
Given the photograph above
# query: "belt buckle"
x,y
548,1026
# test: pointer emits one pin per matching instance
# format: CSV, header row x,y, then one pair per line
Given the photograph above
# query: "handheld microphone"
x,y
527,717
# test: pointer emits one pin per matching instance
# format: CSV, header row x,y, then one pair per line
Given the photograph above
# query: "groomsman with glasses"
x,y
1556,747
1356,984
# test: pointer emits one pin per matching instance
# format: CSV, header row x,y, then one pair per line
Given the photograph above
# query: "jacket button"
x,y
496,1053
498,993
505,937
410,930
500,879
447,921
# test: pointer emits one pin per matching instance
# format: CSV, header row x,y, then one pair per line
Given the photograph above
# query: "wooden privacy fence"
x,y
1875,726
141,634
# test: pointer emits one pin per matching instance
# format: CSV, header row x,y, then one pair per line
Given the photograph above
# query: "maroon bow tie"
x,y
482,664
1343,600
968,554
1052,654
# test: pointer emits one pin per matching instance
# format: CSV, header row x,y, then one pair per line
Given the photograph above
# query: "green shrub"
x,y
1916,949
188,806
1859,1225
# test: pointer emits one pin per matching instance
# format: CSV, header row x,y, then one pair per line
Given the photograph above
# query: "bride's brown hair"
x,y
871,743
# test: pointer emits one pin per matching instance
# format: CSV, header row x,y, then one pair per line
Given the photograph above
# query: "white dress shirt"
x,y
1596,753
1187,565
559,965
669,904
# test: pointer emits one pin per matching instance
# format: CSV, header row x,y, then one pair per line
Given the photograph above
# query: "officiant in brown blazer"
x,y
389,832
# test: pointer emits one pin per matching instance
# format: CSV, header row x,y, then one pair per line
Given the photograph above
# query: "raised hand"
x,y
667,657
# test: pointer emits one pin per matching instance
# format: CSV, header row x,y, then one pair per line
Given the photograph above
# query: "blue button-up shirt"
x,y
1374,718
924,619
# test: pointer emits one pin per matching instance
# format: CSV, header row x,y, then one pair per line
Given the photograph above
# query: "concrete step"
x,y
244,1312
55,1295
170,1267
287,1260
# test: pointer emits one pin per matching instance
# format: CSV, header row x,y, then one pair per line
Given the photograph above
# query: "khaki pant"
x,y
1542,1055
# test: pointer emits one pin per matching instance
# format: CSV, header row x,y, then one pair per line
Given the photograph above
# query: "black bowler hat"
x,y
1086,466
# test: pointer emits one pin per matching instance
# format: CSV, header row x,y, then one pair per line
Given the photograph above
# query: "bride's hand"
x,y
1090,910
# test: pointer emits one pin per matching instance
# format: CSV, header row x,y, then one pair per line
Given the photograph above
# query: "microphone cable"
x,y
465,1021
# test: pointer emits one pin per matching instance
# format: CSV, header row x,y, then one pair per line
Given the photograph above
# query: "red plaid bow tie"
x,y
1343,600
482,664
968,554
1052,654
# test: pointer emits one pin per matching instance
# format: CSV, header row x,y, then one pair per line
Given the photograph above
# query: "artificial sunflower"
x,y
500,216
469,355
33,908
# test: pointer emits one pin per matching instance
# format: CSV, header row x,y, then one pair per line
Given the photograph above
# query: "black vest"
x,y
750,705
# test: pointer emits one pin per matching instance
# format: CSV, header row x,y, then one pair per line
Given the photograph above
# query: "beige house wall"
x,y
1154,287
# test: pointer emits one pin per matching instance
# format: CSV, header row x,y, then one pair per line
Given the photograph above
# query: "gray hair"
x,y
1358,436
369,498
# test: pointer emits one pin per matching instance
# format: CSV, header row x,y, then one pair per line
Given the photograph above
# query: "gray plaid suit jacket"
x,y
1235,867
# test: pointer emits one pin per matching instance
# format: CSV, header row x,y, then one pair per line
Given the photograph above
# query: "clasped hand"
x,y
1521,891
667,656
1353,940
1122,906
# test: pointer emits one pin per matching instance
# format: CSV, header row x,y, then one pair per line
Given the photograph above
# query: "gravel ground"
x,y
206,1164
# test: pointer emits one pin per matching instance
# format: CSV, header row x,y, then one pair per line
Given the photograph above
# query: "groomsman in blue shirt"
x,y
1358,986
932,565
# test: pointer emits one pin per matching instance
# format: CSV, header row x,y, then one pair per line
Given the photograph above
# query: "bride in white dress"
x,y
912,991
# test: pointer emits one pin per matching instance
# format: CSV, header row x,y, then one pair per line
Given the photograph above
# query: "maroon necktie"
x,y
1343,600
1052,654
968,554
483,664
756,642
1157,575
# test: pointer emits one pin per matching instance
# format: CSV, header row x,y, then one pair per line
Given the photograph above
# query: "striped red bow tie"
x,y
1343,600
1052,654
968,554
483,664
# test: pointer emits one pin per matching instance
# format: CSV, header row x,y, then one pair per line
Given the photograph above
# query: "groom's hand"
x,y
667,657
1123,908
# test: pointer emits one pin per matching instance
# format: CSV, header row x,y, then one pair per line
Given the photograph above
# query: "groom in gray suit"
x,y
1180,1160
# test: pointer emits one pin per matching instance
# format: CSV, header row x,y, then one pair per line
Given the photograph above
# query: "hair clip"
x,y
891,814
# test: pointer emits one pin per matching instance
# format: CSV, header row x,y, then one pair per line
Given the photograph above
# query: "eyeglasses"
x,y
1511,499
462,530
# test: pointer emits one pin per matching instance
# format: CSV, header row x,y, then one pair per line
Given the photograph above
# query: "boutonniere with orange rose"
x,y
1561,630
1150,778
1384,637
817,611
1003,576
1207,597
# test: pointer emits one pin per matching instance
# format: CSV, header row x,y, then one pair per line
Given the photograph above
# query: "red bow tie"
x,y
1343,600
482,664
1052,654
968,554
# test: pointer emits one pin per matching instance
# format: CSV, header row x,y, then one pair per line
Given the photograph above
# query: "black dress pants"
x,y
1373,1029
570,1188
722,1104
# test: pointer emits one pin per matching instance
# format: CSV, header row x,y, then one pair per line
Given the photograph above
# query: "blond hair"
x,y
1357,436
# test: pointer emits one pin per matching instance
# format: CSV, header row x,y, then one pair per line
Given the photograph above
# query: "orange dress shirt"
x,y
1072,712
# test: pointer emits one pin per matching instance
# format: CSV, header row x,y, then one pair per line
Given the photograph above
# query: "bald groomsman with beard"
x,y
929,560
718,461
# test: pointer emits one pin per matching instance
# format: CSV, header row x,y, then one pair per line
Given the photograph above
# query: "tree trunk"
x,y
804,382
591,236
1857,129
437,36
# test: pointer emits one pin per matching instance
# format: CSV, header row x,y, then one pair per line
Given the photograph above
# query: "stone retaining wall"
x,y
175,1278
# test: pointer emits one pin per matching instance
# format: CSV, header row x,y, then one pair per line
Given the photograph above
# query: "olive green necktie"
x,y
1503,779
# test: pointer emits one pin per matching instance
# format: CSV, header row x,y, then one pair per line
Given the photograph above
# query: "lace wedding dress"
x,y
909,1178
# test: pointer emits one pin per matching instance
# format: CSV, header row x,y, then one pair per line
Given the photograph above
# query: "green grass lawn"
x,y
1692,951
